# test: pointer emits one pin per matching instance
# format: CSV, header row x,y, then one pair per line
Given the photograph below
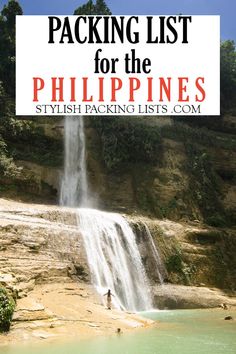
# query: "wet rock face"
x,y
41,244
152,260
189,297
35,250
48,175
190,253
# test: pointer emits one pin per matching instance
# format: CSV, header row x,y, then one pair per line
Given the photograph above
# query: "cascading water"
x,y
74,187
160,269
114,259
112,252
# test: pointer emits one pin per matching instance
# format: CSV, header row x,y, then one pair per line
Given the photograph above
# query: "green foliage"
x,y
7,165
204,184
7,306
49,154
216,220
85,9
227,94
127,141
167,209
3,101
202,136
89,8
228,74
7,82
9,13
19,139
8,168
12,128
26,141
101,8
146,199
149,201
7,44
174,262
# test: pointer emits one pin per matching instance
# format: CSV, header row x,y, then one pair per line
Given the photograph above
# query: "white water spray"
x,y
160,269
112,252
74,187
114,259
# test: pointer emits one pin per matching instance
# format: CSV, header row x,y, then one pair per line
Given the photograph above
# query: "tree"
x,y
86,9
99,8
9,13
228,74
7,45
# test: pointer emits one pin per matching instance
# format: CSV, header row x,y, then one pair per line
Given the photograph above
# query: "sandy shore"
x,y
65,312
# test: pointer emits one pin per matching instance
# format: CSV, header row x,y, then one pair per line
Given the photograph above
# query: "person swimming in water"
x,y
108,295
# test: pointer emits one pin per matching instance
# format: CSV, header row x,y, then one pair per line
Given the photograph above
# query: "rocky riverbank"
x,y
66,311
43,264
170,296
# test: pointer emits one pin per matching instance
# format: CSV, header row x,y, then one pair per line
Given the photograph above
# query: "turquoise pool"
x,y
177,332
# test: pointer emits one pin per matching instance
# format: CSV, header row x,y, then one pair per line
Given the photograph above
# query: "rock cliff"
x,y
42,244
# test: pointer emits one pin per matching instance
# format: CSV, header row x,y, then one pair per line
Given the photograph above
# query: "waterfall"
x,y
74,187
114,259
113,256
160,269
